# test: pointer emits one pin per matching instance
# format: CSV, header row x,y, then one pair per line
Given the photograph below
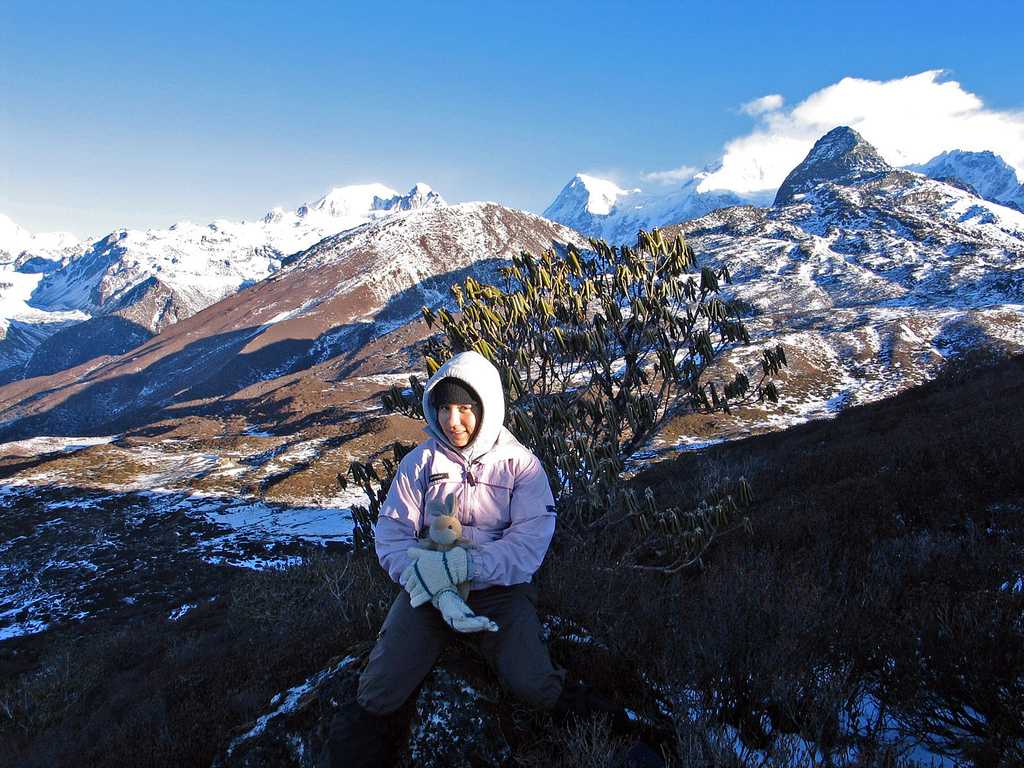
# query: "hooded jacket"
x,y
505,502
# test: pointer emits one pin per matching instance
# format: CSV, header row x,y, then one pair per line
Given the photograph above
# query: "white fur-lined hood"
x,y
479,373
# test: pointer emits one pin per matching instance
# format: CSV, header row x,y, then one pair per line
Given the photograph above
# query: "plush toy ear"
x,y
435,508
451,505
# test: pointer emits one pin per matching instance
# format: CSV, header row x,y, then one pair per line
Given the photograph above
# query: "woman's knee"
x,y
406,649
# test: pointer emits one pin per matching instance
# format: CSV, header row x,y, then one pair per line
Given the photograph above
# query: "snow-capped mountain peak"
x,y
420,196
587,194
841,155
600,208
985,172
156,277
347,201
602,194
361,201
15,239
589,204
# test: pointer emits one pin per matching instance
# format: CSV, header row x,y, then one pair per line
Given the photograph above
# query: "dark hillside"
x,y
874,611
887,561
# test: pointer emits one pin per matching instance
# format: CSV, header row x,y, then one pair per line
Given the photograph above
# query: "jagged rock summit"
x,y
841,156
987,174
356,201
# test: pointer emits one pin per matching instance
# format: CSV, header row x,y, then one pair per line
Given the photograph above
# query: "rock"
x,y
840,156
291,730
456,724
456,721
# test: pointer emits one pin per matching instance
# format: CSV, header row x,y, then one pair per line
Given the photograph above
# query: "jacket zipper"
x,y
467,474
466,492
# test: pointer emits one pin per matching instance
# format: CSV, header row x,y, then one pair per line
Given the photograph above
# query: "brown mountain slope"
x,y
334,312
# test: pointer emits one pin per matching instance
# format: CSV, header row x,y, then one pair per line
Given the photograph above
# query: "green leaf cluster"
x,y
375,482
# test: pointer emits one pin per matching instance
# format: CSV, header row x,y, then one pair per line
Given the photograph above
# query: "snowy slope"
x,y
985,172
205,263
18,245
598,208
871,276
325,306
24,258
151,279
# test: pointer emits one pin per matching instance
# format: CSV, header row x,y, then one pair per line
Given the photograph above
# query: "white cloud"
x,y
769,103
908,120
675,175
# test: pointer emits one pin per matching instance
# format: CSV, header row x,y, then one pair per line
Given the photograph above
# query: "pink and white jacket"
x,y
505,501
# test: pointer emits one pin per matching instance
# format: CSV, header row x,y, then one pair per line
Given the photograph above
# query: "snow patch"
x,y
289,702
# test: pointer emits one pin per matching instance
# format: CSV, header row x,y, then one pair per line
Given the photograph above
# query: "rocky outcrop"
x,y
455,721
840,156
460,718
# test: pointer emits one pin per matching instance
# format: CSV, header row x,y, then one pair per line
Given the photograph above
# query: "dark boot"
x,y
359,739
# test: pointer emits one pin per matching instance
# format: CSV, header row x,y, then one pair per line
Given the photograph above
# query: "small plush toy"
x,y
446,533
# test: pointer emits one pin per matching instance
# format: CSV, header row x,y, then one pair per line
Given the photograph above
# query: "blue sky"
x,y
114,115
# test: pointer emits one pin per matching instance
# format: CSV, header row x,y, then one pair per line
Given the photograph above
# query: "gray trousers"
x,y
412,638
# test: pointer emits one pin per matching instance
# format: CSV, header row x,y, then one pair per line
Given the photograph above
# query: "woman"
x,y
507,513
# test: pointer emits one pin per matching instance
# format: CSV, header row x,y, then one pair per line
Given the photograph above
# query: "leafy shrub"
x,y
375,485
596,350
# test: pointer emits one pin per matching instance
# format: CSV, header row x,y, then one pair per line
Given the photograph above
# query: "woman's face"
x,y
458,423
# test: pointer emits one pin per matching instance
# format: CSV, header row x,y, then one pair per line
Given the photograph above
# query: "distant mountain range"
x,y
599,208
19,247
342,309
984,173
72,301
871,274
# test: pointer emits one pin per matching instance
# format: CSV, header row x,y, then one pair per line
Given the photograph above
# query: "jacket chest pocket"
x,y
491,500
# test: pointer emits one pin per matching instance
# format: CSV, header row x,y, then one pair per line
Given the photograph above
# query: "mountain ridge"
x,y
987,174
319,317
174,272
599,208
